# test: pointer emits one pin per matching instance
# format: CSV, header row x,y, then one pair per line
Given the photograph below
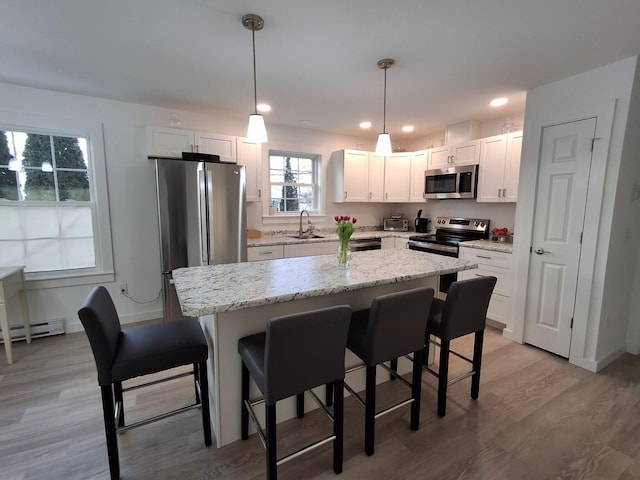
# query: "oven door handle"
x,y
433,246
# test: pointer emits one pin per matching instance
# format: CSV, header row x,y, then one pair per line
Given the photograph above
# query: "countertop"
x,y
504,247
219,288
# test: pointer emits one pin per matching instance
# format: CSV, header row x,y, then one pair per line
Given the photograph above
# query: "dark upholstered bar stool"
x,y
463,312
393,327
124,354
296,353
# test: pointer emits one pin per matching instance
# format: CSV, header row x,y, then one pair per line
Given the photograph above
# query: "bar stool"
x,y
463,312
393,327
296,353
124,354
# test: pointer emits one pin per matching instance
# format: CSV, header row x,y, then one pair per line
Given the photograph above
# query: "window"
x,y
52,209
294,181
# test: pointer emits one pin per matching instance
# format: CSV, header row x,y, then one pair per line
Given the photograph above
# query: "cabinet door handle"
x,y
483,256
504,192
453,158
370,195
265,253
345,195
259,193
499,191
196,148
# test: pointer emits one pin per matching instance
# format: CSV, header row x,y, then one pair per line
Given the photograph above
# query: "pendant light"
x,y
256,132
383,147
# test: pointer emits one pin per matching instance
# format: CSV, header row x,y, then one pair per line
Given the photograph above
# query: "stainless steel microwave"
x,y
453,182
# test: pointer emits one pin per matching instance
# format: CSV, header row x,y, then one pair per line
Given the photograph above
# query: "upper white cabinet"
x,y
249,154
358,176
397,177
171,142
467,153
499,168
419,162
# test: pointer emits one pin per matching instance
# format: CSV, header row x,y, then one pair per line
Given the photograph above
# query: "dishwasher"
x,y
360,244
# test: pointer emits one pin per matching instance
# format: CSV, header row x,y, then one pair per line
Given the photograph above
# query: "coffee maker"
x,y
422,224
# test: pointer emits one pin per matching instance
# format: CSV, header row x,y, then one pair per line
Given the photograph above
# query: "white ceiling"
x,y
316,60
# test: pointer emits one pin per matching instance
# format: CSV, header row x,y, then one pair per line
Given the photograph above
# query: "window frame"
x,y
316,160
103,271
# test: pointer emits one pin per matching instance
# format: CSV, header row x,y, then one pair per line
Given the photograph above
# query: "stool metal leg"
x,y
117,391
328,394
443,374
204,401
370,410
393,364
300,405
196,376
244,419
272,459
416,389
477,362
338,425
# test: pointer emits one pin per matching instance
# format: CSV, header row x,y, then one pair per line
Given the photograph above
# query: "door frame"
x,y
587,305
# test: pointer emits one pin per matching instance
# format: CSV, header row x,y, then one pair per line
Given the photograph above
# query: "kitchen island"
x,y
235,300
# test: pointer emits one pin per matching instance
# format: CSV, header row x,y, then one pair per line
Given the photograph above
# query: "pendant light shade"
x,y
256,132
383,147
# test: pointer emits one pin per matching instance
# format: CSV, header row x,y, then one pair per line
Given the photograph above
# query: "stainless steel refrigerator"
x,y
202,215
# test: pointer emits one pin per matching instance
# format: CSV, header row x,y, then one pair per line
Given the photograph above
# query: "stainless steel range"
x,y
450,231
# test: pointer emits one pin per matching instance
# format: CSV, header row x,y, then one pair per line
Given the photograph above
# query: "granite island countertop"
x,y
220,288
505,247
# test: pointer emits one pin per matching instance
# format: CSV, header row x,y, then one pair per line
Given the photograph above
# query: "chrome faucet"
x,y
309,230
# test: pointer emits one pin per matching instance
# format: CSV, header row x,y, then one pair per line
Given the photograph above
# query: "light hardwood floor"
x,y
538,417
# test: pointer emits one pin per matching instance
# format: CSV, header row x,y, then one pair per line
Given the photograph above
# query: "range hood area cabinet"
x,y
467,153
499,168
171,142
360,176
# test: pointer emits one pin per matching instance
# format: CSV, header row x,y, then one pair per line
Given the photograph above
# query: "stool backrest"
x,y
397,322
304,350
102,324
465,309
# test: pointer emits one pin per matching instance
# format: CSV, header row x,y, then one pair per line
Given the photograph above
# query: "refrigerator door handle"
x,y
204,185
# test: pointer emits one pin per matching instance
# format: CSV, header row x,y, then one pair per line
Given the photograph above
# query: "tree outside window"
x,y
293,179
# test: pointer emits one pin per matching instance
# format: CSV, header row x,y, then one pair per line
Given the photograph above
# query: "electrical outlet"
x,y
123,288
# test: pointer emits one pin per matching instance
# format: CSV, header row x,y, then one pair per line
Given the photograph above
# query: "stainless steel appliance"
x,y
202,216
450,231
395,224
454,182
360,244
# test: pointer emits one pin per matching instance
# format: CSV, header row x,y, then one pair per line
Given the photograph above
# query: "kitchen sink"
x,y
306,236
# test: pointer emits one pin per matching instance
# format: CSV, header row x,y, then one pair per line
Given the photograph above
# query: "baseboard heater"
x,y
44,329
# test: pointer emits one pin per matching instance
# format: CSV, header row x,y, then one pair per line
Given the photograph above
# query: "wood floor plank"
x,y
538,417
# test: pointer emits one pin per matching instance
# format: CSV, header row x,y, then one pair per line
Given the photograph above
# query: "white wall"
x,y
132,197
602,336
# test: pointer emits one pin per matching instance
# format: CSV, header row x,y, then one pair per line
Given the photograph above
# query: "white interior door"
x,y
565,163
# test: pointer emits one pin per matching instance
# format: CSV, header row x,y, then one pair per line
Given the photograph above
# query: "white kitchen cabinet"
x,y
402,242
387,242
249,154
308,249
497,264
499,168
397,177
216,144
267,252
171,142
467,153
419,162
358,176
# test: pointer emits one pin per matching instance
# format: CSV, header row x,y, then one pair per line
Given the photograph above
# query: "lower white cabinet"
x,y
387,242
308,249
267,252
490,263
402,242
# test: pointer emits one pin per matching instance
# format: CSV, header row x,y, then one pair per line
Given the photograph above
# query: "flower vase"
x,y
344,254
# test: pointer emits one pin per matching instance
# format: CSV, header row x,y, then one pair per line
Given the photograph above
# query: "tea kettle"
x,y
422,224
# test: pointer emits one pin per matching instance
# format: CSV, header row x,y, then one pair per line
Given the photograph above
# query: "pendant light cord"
x,y
384,108
255,88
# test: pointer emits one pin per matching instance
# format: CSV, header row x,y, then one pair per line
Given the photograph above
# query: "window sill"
x,y
40,281
289,219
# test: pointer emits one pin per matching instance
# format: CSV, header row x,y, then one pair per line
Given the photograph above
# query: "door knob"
x,y
540,251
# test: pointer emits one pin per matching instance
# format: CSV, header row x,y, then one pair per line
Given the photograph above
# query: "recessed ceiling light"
x,y
365,124
304,122
263,107
498,102
408,128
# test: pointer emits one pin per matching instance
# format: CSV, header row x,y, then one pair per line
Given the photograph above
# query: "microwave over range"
x,y
453,182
